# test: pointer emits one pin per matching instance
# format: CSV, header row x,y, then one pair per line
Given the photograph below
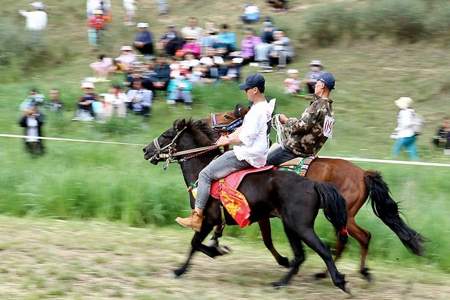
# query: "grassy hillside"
x,y
115,183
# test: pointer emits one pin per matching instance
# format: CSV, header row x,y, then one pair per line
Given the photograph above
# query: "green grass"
x,y
114,182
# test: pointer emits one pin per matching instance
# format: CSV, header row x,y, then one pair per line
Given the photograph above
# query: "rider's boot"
x,y
194,221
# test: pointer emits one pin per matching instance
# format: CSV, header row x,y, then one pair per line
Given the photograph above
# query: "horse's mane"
x,y
202,133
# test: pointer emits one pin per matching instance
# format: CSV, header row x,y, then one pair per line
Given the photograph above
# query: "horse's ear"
x,y
179,124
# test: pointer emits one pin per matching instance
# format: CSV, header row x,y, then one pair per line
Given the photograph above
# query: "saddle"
x,y
299,165
226,190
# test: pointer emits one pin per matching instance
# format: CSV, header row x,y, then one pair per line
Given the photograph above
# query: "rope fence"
x,y
355,159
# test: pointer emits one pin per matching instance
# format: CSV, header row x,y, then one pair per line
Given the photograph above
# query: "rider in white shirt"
x,y
251,148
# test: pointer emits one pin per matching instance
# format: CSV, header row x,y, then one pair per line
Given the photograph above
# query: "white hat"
x,y
237,60
87,85
292,71
403,102
97,12
316,62
37,5
142,25
126,48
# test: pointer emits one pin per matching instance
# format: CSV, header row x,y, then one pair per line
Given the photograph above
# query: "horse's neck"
x,y
192,167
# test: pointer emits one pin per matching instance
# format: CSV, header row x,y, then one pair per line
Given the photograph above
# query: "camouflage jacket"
x,y
304,136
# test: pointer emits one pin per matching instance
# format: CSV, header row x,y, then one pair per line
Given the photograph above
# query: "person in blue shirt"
x,y
180,89
143,41
226,38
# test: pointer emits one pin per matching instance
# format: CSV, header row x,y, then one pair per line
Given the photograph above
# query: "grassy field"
x,y
50,259
84,181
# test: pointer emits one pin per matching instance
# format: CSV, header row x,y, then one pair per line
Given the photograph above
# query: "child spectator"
x,y
36,20
115,102
192,30
316,69
85,110
32,122
191,46
55,104
251,14
442,137
130,11
96,24
143,41
248,46
126,58
33,99
405,133
292,84
102,68
180,90
139,100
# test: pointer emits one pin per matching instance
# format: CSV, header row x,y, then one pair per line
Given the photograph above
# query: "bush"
x,y
438,22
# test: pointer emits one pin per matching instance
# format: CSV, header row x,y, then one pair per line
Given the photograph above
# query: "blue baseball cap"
x,y
328,79
254,80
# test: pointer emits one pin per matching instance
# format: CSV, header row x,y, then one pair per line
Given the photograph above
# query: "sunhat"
x,y
403,102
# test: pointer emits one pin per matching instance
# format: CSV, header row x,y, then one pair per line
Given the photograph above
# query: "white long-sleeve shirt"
x,y
253,134
405,123
35,20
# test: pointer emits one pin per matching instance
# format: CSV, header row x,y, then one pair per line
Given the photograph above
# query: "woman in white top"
x,y
405,134
251,148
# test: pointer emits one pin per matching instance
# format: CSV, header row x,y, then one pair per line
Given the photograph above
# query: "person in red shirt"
x,y
96,24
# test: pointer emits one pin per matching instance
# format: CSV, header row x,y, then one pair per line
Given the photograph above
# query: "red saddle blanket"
x,y
226,190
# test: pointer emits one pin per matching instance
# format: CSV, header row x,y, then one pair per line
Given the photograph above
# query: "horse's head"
x,y
183,135
222,121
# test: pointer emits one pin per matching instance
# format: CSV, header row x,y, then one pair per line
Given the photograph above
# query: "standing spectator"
x,y
115,102
55,104
248,45
180,90
251,14
171,41
292,84
130,11
103,5
102,68
34,99
226,38
143,41
96,25
163,7
192,30
405,133
316,69
126,58
32,122
85,108
442,137
139,100
36,20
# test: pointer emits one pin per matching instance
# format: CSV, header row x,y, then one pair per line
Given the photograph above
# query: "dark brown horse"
x,y
295,199
355,185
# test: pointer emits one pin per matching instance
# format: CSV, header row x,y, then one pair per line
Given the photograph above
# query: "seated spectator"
x,y
248,46
33,99
55,104
126,58
282,51
214,63
233,70
180,90
316,69
251,14
96,24
190,61
226,39
198,74
143,42
161,74
102,67
191,46
32,122
85,110
139,100
267,37
192,30
292,84
442,137
208,40
171,41
115,102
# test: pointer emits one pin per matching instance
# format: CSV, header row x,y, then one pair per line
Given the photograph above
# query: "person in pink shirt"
x,y
191,46
248,45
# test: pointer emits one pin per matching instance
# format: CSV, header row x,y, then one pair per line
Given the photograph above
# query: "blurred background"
x,y
75,68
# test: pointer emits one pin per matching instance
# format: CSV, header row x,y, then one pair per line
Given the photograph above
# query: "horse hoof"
x,y
284,262
278,284
366,274
224,250
320,275
178,272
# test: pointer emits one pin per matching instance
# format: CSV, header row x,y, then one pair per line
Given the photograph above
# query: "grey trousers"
x,y
222,166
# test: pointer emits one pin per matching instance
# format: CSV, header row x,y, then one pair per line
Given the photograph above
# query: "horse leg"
x,y
340,247
363,238
299,256
266,232
196,244
312,240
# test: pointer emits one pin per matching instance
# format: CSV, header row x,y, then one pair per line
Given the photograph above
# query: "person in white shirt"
x,y
126,58
36,20
130,11
405,133
192,30
252,146
115,102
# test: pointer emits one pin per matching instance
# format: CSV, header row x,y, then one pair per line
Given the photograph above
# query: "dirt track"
x,y
92,260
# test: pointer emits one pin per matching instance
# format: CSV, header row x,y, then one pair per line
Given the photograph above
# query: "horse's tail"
x,y
387,210
334,207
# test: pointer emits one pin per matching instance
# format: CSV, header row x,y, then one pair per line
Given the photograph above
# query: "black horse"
x,y
295,199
